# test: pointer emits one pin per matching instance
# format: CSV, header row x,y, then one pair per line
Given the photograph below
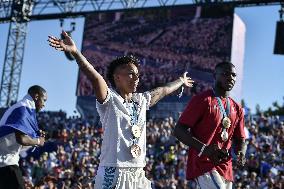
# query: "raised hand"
x,y
66,44
187,81
42,133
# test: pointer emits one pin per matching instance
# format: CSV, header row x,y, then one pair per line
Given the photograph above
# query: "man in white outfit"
x,y
123,116
19,130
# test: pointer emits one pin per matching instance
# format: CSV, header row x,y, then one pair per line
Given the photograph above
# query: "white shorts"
x,y
121,178
213,180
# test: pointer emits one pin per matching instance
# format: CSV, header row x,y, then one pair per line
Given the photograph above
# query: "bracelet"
x,y
201,151
38,141
180,94
182,88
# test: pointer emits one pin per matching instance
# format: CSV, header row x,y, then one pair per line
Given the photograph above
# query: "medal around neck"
x,y
224,135
226,122
135,151
136,131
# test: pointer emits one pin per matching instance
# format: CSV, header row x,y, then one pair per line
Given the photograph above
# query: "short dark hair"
x,y
36,89
224,64
123,60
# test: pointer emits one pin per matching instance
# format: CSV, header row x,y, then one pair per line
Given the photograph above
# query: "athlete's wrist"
x,y
38,142
202,150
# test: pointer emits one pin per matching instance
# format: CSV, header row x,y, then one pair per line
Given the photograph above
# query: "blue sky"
x,y
263,81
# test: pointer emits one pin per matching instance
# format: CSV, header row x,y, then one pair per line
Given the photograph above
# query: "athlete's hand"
x,y
187,81
42,133
215,154
66,44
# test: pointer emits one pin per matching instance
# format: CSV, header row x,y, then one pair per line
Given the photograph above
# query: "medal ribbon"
x,y
134,115
134,118
224,134
220,104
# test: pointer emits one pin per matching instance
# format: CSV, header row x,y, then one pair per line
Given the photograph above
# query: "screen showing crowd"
x,y
167,41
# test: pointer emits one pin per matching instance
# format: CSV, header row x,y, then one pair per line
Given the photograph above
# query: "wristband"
x,y
38,141
201,151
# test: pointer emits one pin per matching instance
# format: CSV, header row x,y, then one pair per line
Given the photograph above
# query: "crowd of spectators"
x,y
166,47
71,156
265,154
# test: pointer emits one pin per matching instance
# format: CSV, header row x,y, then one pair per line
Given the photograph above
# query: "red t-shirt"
x,y
204,118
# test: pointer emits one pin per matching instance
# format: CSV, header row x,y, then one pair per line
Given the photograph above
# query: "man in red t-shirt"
x,y
209,125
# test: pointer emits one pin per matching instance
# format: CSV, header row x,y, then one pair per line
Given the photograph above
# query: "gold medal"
x,y
135,151
224,135
136,131
226,122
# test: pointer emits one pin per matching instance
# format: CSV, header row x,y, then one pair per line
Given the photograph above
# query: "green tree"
x,y
277,109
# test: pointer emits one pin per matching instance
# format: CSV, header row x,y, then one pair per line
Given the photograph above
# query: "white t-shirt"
x,y
9,150
117,137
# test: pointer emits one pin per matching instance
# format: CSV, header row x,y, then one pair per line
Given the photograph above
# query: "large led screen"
x,y
167,41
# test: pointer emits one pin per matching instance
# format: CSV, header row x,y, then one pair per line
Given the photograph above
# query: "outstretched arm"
x,y
68,45
160,92
25,140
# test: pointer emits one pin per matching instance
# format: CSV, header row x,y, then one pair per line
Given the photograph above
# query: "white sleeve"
x,y
101,107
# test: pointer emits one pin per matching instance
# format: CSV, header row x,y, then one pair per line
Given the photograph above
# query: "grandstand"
x,y
70,157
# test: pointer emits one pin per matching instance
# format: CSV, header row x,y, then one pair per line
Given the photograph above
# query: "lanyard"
x,y
226,120
227,112
134,119
134,116
133,112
